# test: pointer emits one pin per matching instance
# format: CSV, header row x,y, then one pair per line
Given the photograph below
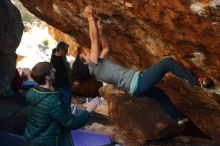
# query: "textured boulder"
x,y
200,105
13,114
143,31
87,89
11,30
140,119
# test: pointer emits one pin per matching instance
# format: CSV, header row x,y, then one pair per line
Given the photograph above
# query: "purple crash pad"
x,y
86,138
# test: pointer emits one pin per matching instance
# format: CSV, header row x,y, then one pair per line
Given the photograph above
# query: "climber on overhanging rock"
x,y
134,82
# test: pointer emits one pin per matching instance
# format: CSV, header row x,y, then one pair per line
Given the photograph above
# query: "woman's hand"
x,y
93,34
89,12
101,30
100,27
104,40
93,104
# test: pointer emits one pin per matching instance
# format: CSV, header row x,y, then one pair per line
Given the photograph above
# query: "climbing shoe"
x,y
206,82
182,121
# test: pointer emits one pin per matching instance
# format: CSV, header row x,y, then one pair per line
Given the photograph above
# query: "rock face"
x,y
11,30
13,114
140,119
143,32
201,106
87,89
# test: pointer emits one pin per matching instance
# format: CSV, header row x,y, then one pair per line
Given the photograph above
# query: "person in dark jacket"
x,y
48,122
62,75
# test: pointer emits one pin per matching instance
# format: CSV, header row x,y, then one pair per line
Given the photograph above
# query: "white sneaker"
x,y
182,121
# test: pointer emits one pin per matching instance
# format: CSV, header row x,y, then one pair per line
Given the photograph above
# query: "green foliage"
x,y
45,42
27,17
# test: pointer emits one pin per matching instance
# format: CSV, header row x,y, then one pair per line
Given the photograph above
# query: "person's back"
x,y
62,71
49,123
112,73
60,63
62,74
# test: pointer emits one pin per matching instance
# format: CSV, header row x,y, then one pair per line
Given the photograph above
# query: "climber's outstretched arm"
x,y
104,41
93,33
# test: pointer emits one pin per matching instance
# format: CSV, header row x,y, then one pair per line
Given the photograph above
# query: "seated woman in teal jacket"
x,y
48,122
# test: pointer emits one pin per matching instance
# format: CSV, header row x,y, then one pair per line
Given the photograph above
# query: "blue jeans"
x,y
150,76
9,139
66,94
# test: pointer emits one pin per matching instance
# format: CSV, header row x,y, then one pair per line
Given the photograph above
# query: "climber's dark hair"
x,y
79,50
62,46
80,71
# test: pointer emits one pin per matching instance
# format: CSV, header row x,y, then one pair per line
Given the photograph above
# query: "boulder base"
x,y
141,119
